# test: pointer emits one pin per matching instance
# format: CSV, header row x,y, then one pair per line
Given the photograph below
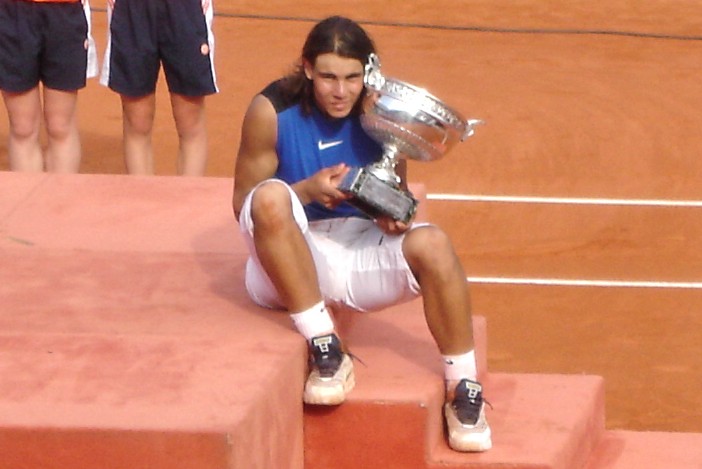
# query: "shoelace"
x,y
328,363
357,358
467,409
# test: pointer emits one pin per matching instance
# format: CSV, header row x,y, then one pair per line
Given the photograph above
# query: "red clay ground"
x,y
582,99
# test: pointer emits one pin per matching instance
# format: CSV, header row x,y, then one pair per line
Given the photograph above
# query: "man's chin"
x,y
338,110
338,114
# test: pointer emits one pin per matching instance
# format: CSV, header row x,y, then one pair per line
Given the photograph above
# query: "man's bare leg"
x,y
282,249
286,257
444,289
431,257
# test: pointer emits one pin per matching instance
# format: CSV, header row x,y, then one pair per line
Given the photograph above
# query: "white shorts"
x,y
357,264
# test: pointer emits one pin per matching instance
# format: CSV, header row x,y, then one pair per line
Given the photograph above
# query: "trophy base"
x,y
376,197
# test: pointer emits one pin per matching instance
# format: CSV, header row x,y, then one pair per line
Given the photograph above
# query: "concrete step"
x,y
404,431
393,418
126,338
142,360
86,401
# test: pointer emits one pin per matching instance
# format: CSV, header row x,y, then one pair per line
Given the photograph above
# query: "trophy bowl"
x,y
411,123
407,122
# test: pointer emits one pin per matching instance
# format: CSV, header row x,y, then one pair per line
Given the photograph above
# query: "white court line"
x,y
584,283
564,200
575,201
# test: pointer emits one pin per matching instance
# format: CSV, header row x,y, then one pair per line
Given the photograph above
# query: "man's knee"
x,y
271,204
428,246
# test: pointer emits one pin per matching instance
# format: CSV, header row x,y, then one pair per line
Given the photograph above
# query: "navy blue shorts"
x,y
147,34
43,42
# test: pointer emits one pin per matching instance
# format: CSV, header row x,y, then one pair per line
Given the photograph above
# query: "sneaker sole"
x,y
470,442
322,396
471,445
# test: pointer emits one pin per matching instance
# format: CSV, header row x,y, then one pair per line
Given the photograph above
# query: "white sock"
x,y
313,322
457,367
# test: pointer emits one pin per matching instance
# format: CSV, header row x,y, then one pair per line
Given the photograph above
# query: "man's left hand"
x,y
390,226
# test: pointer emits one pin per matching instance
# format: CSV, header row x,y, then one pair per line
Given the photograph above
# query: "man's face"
x,y
338,83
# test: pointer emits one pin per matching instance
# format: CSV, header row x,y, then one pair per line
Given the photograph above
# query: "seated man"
x,y
300,137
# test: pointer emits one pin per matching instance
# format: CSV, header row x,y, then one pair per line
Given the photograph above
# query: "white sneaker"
x,y
468,429
331,372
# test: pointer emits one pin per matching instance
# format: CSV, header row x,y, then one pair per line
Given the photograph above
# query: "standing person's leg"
x,y
137,127
24,115
130,68
64,71
19,81
63,153
190,121
187,53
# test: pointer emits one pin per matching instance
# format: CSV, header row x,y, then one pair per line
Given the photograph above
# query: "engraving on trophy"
x,y
407,122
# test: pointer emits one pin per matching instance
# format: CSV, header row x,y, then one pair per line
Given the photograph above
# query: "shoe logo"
x,y
473,390
325,145
322,343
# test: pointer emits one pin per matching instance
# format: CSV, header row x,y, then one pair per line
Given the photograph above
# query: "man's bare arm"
x,y
257,159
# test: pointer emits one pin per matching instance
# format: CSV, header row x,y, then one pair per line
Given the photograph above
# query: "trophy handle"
x,y
372,77
470,127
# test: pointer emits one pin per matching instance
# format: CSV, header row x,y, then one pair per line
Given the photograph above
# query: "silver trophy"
x,y
409,123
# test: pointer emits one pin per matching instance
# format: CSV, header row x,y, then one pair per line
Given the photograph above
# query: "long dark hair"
x,y
338,35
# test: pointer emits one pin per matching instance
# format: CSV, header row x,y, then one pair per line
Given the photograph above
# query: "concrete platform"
x,y
127,340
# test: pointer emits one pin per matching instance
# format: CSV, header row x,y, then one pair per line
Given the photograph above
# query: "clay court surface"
x,y
593,107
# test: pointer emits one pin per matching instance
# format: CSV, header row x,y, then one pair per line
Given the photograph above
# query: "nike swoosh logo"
x,y
324,145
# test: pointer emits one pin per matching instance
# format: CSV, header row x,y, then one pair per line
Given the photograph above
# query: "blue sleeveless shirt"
x,y
308,143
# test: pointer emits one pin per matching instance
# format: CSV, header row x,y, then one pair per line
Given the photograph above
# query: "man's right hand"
x,y
323,186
